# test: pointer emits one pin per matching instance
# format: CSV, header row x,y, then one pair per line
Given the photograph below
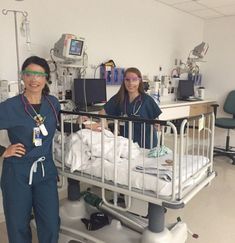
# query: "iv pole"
x,y
25,14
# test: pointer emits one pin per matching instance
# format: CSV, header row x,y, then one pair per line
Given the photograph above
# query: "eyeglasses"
x,y
35,74
132,79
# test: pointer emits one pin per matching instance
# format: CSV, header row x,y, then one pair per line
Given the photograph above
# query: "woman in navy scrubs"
x,y
29,175
132,101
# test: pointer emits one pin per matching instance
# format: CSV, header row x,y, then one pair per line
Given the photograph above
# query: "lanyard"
x,y
135,108
38,118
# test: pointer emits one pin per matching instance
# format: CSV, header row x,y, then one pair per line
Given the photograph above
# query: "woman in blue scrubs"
x,y
29,175
132,101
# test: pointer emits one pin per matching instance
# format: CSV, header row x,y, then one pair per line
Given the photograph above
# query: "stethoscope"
x,y
26,104
136,107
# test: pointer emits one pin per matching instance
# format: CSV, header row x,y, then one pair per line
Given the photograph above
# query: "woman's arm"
x,y
102,112
96,126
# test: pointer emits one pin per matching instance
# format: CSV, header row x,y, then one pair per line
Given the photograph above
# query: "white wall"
x,y
218,71
141,33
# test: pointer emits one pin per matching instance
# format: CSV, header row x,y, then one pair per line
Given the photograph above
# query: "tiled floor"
x,y
211,213
3,236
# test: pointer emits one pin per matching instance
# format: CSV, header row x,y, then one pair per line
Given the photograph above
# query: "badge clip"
x,y
43,129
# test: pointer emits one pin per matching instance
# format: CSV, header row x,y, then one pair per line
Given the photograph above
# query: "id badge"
x,y
37,136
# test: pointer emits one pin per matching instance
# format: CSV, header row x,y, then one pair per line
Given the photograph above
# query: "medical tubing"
x,y
97,202
25,14
124,219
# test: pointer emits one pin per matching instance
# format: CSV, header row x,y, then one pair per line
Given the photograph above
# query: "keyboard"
x,y
89,108
192,98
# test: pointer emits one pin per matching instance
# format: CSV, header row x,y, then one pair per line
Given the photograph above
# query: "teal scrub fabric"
x,y
142,106
18,196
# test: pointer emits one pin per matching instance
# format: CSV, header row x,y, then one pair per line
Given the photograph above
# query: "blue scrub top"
x,y
142,106
19,125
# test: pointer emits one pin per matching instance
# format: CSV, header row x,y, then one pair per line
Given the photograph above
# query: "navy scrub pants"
x,y
19,198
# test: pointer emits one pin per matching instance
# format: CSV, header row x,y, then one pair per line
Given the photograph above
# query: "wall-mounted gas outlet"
x,y
92,66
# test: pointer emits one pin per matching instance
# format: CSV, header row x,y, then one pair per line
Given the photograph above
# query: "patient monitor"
x,y
200,50
69,47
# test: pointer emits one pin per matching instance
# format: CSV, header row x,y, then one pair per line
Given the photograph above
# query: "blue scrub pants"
x,y
19,198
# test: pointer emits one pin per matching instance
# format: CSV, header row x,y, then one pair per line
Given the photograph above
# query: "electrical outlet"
x,y
176,61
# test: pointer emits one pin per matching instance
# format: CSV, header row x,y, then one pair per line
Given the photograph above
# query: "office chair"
x,y
227,123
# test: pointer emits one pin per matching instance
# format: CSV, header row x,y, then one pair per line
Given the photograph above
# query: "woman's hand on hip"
x,y
17,150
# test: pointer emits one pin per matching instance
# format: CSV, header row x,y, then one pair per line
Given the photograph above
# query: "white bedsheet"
x,y
84,146
80,157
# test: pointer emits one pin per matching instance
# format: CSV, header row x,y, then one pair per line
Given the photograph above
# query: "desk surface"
x,y
168,104
180,109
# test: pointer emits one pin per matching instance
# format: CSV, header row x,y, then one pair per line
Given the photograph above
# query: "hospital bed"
x,y
167,176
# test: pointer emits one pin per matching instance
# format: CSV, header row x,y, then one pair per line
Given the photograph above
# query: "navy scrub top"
x,y
19,125
142,106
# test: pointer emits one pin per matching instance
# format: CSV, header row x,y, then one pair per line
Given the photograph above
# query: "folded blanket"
x,y
159,151
159,167
163,174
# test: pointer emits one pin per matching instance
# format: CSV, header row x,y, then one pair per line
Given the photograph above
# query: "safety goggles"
x,y
35,74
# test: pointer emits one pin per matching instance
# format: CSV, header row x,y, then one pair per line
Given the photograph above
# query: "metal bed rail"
x,y
189,175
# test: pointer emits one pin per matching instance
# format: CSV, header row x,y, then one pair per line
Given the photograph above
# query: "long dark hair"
x,y
42,63
120,96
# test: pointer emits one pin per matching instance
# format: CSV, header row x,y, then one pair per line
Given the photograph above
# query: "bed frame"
x,y
194,138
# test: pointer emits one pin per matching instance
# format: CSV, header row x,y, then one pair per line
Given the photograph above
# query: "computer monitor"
x,y
185,89
88,92
69,47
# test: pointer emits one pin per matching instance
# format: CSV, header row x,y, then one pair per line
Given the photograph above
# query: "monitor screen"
x,y
75,47
185,89
88,92
69,47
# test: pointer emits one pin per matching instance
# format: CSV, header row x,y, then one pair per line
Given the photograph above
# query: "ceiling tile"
x,y
216,3
207,14
226,10
189,6
205,9
171,2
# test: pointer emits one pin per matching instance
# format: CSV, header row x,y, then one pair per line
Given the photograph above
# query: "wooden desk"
x,y
178,109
